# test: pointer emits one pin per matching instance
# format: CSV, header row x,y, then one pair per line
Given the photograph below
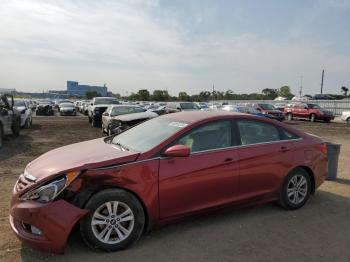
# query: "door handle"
x,y
284,149
228,160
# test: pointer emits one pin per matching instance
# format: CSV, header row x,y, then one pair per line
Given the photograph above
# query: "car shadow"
x,y
247,234
342,181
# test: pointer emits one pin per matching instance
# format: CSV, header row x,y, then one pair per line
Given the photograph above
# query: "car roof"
x,y
198,116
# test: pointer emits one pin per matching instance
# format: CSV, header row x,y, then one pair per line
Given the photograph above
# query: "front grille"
x,y
22,183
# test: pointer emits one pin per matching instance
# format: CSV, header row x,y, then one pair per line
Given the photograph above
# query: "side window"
x,y
286,135
254,132
208,137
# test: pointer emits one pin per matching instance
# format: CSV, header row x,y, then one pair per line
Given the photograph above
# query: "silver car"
x,y
118,118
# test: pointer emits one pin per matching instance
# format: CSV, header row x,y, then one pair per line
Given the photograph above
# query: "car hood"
x,y
103,105
80,156
20,108
135,116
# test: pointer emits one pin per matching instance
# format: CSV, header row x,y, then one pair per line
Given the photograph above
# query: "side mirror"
x,y
105,114
92,104
258,109
178,108
305,107
177,151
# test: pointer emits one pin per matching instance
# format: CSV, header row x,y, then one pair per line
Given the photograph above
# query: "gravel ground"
x,y
320,231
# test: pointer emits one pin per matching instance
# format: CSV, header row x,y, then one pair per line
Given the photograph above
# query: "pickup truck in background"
x,y
310,111
10,118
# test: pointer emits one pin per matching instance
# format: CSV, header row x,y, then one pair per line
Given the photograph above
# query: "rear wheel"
x,y
116,220
312,117
27,123
93,122
295,190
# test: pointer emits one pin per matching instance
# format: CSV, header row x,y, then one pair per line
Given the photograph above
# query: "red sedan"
x,y
118,187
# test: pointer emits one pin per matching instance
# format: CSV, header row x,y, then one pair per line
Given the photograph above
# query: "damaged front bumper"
x,y
45,226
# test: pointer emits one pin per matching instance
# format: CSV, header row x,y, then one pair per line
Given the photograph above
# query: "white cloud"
x,y
42,44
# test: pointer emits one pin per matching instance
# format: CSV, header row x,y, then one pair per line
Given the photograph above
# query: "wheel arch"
x,y
81,199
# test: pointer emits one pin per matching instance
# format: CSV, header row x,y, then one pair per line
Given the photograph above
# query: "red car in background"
x,y
309,111
270,110
172,166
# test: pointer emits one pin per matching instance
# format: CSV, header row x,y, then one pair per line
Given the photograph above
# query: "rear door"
x,y
264,158
207,178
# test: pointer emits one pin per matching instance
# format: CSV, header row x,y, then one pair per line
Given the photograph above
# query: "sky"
x,y
177,45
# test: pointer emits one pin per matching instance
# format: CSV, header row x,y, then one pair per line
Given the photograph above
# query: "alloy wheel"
x,y
297,189
112,222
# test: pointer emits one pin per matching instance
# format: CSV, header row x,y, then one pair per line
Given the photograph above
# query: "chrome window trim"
x,y
243,146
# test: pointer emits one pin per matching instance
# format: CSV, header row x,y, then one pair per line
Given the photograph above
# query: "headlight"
x,y
48,192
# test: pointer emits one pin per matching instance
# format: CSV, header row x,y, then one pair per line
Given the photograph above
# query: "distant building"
x,y
74,89
7,90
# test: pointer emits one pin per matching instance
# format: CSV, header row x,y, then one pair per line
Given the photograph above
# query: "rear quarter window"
x,y
255,132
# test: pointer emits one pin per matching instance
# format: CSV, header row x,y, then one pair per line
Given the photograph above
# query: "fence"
x,y
336,106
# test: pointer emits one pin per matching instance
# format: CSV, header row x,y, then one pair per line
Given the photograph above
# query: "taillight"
x,y
322,148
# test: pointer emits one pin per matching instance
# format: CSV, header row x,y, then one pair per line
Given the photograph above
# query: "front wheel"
x,y
312,117
116,220
295,190
16,127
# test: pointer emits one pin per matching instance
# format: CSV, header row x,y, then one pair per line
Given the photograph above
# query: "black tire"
x,y
284,199
94,122
16,127
348,120
312,118
96,202
90,120
102,129
27,124
289,117
109,131
327,120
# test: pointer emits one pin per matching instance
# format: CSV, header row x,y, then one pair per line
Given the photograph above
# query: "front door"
x,y
208,177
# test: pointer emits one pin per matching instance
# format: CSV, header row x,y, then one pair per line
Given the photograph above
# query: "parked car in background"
x,y
113,189
310,111
84,107
173,107
24,109
10,119
45,108
62,102
280,106
118,118
246,110
203,105
156,108
268,109
345,116
96,108
67,109
323,97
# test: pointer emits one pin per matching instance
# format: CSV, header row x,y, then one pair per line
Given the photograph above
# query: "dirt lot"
x,y
318,232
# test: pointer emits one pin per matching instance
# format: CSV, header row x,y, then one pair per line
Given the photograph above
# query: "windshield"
x,y
187,106
106,101
313,106
19,103
149,134
122,110
267,106
66,105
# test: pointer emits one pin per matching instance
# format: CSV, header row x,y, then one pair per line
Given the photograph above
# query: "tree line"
x,y
163,95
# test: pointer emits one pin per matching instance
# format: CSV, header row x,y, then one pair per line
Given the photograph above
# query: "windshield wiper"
x,y
121,146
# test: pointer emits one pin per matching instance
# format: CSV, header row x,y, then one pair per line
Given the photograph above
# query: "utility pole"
x,y
301,86
213,95
322,81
